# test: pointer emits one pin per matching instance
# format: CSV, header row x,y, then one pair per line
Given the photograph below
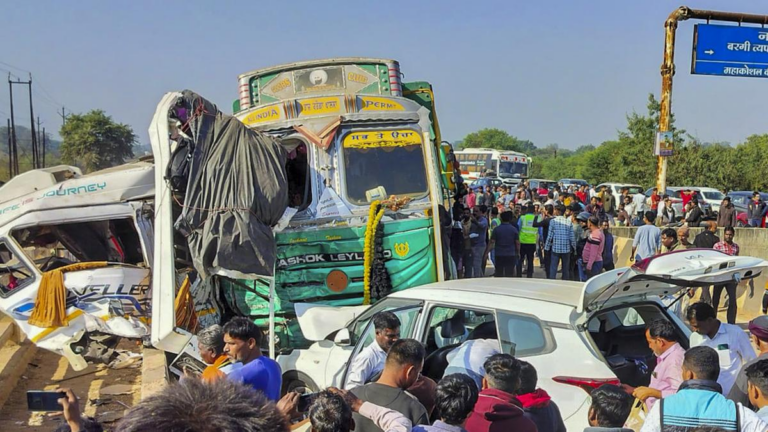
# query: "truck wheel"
x,y
295,380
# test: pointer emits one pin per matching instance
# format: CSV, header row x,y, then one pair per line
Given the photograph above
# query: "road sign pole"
x,y
668,66
667,72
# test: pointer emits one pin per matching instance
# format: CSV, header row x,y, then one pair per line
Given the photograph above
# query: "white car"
x,y
713,196
577,335
616,188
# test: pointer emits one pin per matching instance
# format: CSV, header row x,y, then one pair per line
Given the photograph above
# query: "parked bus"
x,y
509,166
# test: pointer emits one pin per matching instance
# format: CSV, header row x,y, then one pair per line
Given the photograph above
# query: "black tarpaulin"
x,y
236,190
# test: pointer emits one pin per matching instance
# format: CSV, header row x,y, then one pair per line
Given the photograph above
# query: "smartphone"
x,y
39,400
305,401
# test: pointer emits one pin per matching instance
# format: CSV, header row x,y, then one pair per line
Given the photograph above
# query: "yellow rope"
x,y
368,251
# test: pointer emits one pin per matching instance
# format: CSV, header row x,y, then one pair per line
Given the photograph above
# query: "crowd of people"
x,y
718,381
511,228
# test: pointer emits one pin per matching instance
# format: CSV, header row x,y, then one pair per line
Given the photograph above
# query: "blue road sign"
x,y
730,51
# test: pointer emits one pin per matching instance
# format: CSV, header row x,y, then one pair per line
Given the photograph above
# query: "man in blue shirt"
x,y
242,343
560,242
647,242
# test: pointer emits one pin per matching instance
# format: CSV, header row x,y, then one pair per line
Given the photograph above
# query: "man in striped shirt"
x,y
728,247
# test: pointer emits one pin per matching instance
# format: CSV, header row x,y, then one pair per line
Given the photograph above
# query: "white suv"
x,y
577,335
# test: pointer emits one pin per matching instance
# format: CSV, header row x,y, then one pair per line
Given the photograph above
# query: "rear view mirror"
x,y
342,338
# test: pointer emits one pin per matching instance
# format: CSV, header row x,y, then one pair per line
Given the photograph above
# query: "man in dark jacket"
x,y
707,239
726,217
538,406
755,210
609,411
497,408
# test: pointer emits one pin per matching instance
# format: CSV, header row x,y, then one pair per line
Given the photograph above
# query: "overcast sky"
x,y
561,71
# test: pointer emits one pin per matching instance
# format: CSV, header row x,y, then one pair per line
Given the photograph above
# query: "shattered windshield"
x,y
53,246
378,164
513,169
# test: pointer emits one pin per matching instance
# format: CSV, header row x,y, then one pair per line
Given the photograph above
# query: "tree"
x,y
93,141
496,139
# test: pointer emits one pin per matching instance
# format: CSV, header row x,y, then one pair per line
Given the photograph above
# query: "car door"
x,y
361,331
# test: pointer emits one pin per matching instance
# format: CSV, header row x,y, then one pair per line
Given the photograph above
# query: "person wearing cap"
x,y
758,332
683,234
647,241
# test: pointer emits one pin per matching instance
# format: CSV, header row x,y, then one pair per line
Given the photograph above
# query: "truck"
x,y
359,183
511,167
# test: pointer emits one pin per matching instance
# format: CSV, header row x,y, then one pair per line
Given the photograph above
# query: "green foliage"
x,y
630,158
24,140
496,139
93,141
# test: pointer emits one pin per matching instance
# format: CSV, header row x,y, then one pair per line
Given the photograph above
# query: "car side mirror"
x,y
342,337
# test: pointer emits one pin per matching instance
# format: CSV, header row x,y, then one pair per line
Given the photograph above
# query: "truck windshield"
x,y
513,169
384,163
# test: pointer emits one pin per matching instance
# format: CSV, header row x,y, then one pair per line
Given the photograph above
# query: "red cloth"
x,y
582,196
498,411
685,196
655,198
537,399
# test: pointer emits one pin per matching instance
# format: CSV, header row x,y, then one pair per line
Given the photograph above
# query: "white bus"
x,y
509,166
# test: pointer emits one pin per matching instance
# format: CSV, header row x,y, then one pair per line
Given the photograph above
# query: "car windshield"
x,y
384,163
714,196
513,169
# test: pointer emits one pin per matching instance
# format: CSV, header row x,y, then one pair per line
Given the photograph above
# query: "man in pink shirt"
x,y
667,376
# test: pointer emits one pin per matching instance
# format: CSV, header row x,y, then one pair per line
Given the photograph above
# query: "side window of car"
x,y
629,317
407,317
523,335
13,272
451,326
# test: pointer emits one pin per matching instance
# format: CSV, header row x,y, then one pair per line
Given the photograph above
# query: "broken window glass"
x,y
55,246
13,272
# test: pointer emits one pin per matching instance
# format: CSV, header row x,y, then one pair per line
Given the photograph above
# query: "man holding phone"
x,y
63,399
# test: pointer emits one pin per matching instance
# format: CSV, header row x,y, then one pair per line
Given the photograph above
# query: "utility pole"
x,y
15,149
39,143
10,151
44,145
668,66
63,115
33,135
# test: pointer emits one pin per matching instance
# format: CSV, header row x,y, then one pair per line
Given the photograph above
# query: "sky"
x,y
561,71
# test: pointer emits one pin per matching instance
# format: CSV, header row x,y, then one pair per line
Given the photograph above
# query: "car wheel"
x,y
298,381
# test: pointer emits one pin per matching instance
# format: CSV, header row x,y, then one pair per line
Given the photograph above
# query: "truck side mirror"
x,y
342,338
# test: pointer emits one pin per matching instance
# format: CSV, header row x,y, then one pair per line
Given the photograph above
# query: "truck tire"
x,y
293,380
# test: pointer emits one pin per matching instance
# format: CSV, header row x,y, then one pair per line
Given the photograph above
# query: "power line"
x,y
17,68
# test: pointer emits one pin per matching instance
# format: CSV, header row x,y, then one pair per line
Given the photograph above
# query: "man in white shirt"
x,y
370,360
639,200
729,341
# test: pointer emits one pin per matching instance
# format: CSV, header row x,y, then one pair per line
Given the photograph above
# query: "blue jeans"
x,y
597,267
555,260
754,223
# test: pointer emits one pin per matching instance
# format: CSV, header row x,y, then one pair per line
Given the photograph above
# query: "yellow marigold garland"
x,y
368,251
